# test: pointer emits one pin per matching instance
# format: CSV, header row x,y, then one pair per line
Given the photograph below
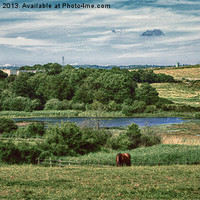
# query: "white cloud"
x,y
21,41
82,32
174,2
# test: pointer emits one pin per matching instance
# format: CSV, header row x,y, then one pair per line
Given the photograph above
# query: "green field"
x,y
179,93
158,182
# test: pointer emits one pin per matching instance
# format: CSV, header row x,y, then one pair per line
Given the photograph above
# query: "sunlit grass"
x,y
180,73
136,182
178,93
181,139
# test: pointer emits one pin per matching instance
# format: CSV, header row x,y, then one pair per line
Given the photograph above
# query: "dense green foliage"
x,y
68,139
7,125
3,75
54,87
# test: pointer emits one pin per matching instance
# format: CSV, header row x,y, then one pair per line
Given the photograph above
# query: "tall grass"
x,y
75,113
166,154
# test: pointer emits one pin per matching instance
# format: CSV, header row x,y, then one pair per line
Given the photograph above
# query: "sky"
x,y
102,36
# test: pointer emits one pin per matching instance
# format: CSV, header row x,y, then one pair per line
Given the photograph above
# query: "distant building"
x,y
16,71
10,71
177,64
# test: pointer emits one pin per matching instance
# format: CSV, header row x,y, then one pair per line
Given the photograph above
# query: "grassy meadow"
x,y
145,179
180,73
136,182
179,93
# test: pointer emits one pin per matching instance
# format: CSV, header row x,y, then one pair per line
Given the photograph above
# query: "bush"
x,y
35,129
134,135
150,109
149,138
197,116
53,104
127,107
92,140
147,93
78,106
20,103
63,139
127,140
7,125
28,153
9,153
113,106
18,153
119,142
161,103
138,106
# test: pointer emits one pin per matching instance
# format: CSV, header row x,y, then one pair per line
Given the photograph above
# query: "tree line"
x,y
59,87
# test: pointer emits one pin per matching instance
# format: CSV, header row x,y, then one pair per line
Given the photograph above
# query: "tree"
x,y
3,75
114,86
7,125
63,139
21,86
134,135
147,93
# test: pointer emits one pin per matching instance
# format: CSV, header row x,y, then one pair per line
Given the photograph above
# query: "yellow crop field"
x,y
181,73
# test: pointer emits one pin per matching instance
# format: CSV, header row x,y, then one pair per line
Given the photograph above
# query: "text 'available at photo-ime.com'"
x,y
60,5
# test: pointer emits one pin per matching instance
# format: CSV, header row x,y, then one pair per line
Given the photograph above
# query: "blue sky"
x,y
101,36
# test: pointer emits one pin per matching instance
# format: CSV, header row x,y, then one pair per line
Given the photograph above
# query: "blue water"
x,y
106,122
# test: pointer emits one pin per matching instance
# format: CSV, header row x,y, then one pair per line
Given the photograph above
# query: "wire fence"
x,y
61,163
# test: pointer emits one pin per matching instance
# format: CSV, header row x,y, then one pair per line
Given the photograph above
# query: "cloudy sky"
x,y
104,36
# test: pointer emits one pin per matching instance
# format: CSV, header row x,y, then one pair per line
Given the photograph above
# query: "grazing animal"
x,y
123,159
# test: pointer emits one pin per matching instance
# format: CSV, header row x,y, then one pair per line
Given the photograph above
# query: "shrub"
x,y
78,106
18,153
113,106
150,109
134,135
149,138
138,106
126,140
63,139
28,153
36,129
197,116
92,140
53,104
127,107
20,103
7,125
9,153
162,102
119,142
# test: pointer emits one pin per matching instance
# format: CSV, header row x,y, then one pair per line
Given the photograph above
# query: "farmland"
x,y
181,73
178,155
180,92
136,182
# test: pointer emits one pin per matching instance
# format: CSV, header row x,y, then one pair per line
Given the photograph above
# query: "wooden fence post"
x,y
59,163
38,161
50,162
